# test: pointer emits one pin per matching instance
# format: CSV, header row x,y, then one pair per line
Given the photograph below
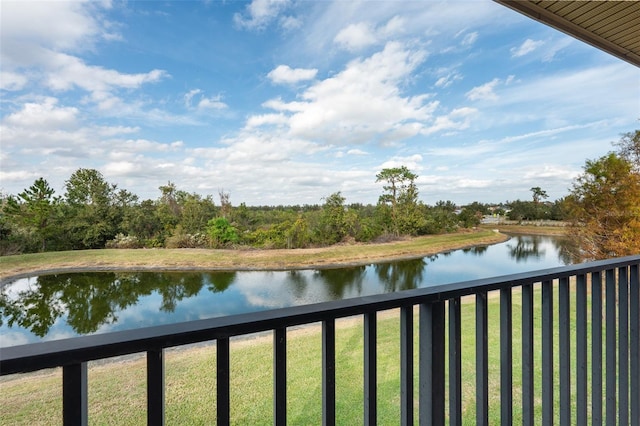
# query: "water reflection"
x,y
64,305
522,248
401,276
339,282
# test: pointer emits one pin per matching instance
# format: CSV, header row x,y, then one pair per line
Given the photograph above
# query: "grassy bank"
x,y
117,390
182,259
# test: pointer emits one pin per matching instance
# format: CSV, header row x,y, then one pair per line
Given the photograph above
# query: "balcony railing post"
x,y
547,352
280,376
581,349
74,395
432,363
370,369
611,337
455,363
623,346
223,408
406,365
634,343
329,372
482,360
564,323
506,357
596,347
527,355
155,387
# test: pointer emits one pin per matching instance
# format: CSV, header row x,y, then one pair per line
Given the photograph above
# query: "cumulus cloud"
x,y
283,74
362,103
260,13
526,47
72,25
43,115
11,81
484,92
358,36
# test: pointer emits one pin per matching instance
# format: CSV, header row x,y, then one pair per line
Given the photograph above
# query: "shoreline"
x,y
191,260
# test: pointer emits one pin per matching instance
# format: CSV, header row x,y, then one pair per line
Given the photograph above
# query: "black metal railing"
x,y
439,336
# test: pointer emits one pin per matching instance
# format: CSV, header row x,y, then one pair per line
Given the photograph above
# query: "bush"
x,y
122,241
180,240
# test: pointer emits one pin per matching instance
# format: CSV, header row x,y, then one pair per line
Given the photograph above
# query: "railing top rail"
x,y
37,356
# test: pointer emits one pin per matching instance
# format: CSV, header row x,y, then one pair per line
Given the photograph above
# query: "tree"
x,y
401,194
332,226
538,194
604,208
34,209
629,148
90,216
221,232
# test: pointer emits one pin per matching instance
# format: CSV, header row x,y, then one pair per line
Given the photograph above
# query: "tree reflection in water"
x,y
526,248
93,299
397,276
338,281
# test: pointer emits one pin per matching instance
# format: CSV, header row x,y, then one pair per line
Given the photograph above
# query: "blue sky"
x,y
286,102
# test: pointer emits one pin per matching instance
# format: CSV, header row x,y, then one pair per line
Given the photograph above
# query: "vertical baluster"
x,y
370,369
432,363
406,365
155,387
547,352
527,355
280,376
455,363
634,343
596,347
223,410
329,372
506,357
565,352
611,358
74,394
623,346
482,363
581,349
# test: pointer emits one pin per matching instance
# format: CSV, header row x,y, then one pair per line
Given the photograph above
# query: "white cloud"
x,y
212,103
469,39
69,25
260,13
44,115
356,36
12,81
448,79
484,92
283,74
362,103
357,152
526,47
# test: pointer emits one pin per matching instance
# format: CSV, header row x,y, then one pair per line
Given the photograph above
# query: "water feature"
x,y
58,306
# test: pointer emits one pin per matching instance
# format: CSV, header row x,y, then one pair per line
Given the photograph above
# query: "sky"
x,y
285,102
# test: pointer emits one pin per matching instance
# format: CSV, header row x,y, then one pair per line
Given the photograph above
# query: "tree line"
x,y
603,207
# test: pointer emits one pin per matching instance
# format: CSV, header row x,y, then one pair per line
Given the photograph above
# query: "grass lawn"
x,y
117,389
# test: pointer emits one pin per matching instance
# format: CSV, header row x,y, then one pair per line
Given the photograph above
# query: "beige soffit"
x,y
613,26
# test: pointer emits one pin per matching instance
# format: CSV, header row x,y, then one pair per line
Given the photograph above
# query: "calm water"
x,y
66,305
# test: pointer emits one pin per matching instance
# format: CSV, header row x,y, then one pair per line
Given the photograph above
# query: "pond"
x,y
49,307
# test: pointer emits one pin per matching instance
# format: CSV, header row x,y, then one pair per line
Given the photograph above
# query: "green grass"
x,y
117,390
